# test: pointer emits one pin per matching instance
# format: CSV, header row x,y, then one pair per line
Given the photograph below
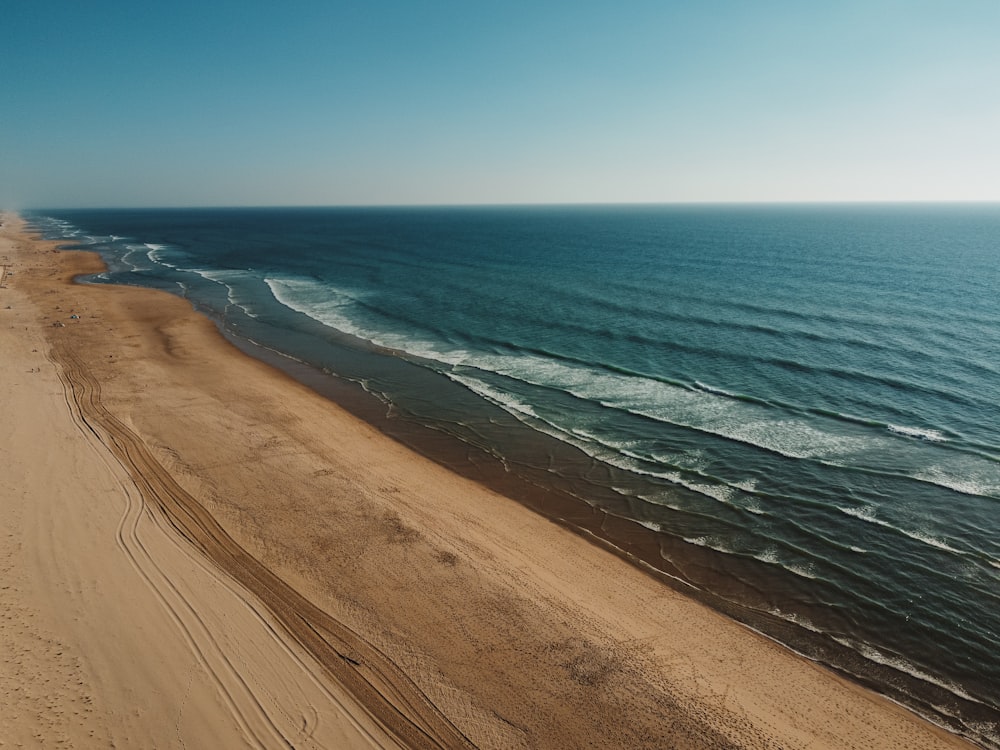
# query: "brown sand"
x,y
198,551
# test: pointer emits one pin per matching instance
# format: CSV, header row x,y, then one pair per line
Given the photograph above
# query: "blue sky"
x,y
301,102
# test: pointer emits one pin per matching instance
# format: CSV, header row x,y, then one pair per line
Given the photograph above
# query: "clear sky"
x,y
321,102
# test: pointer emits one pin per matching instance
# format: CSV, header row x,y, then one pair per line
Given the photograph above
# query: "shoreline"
x,y
644,549
445,578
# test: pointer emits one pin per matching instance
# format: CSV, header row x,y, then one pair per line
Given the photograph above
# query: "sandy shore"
x,y
197,551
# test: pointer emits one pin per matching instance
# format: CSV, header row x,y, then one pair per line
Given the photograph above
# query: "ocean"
x,y
789,411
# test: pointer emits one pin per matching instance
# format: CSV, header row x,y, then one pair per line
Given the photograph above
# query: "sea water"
x,y
797,405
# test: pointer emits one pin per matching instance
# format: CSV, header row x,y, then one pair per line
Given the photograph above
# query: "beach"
x,y
200,551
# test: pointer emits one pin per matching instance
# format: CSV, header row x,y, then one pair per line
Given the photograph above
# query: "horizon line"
x,y
552,204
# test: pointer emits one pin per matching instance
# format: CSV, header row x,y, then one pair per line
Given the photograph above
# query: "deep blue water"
x,y
798,403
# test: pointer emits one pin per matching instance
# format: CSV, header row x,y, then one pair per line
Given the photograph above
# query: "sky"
x,y
322,102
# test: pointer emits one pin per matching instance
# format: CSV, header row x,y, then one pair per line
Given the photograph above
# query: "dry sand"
x,y
199,552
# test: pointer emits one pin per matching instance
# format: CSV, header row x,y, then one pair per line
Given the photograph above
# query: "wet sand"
x,y
200,551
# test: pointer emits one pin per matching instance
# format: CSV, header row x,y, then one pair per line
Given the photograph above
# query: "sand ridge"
x,y
436,612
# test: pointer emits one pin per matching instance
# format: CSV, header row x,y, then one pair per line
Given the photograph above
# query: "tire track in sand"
x,y
227,679
391,698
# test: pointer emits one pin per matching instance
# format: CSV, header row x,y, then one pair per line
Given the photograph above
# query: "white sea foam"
x,y
699,541
898,663
333,307
718,492
156,255
986,729
132,250
671,404
794,618
803,571
501,398
228,279
963,479
932,541
771,557
594,447
322,303
935,436
712,389
868,515
662,499
716,544
690,459
618,454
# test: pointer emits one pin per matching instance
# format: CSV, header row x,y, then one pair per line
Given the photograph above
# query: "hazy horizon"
x,y
541,204
248,104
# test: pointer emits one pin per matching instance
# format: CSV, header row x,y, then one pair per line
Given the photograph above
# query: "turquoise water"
x,y
797,405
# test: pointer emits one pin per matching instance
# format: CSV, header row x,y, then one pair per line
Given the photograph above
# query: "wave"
x,y
889,382
711,543
330,307
931,434
131,250
935,436
676,405
156,253
842,328
854,320
966,483
698,385
611,452
742,496
839,325
310,296
735,419
753,424
701,407
229,279
868,515
795,619
511,404
768,557
900,664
